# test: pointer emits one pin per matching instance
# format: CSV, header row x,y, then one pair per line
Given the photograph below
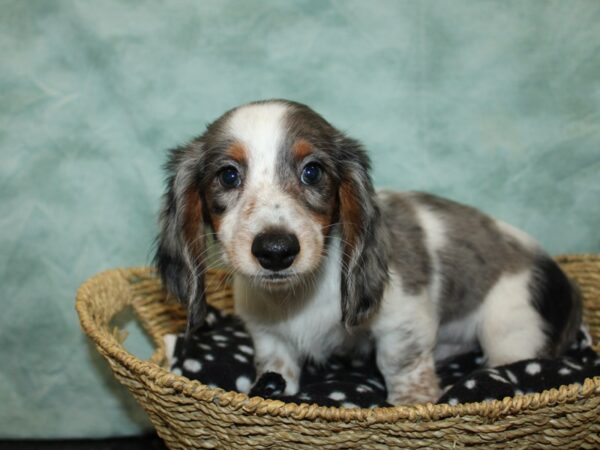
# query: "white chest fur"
x,y
306,318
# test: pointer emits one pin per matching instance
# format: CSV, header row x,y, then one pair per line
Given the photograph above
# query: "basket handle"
x,y
100,299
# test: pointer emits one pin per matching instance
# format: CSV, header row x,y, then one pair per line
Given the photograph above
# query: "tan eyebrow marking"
x,y
237,152
301,149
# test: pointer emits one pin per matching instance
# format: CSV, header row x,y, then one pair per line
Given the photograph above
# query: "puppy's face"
x,y
272,179
270,187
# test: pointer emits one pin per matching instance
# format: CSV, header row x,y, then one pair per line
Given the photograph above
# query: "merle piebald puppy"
x,y
325,264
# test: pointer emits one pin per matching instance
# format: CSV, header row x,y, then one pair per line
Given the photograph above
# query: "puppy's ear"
x,y
181,243
364,240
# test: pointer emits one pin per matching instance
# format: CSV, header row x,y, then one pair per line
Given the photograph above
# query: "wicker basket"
x,y
188,414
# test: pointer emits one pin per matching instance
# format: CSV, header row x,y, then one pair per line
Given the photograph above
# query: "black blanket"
x,y
221,355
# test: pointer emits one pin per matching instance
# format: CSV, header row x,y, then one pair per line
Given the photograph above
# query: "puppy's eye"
x,y
230,177
311,174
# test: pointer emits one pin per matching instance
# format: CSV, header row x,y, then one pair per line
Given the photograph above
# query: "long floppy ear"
x,y
180,251
365,250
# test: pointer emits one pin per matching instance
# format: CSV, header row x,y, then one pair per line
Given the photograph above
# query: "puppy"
x,y
325,264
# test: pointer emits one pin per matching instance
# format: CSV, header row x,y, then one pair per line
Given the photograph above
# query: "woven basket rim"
x,y
260,406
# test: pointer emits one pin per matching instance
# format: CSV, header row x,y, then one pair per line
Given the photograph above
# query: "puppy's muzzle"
x,y
275,250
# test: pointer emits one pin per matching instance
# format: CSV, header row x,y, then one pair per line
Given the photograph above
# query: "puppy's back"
x,y
460,254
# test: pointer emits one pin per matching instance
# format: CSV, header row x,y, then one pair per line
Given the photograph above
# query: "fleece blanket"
x,y
220,354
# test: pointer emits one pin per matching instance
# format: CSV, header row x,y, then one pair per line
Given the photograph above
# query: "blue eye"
x,y
229,177
311,174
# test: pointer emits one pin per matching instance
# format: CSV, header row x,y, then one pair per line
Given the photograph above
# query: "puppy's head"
x,y
272,180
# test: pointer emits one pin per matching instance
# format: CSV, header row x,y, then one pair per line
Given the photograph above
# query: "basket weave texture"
x,y
188,414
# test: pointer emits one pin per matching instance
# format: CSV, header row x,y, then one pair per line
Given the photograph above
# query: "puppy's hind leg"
x,y
511,329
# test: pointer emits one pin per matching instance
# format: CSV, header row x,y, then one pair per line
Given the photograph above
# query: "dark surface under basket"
x,y
149,442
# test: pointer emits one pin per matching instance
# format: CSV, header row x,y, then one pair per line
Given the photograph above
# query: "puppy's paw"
x,y
270,384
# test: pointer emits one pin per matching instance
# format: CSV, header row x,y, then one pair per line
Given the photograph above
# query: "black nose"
x,y
275,250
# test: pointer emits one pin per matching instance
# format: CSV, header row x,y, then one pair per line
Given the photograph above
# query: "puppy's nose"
x,y
275,250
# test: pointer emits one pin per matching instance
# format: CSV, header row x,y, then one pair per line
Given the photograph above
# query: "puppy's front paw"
x,y
269,384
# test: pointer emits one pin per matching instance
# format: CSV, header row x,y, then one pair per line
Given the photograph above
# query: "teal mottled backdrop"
x,y
496,104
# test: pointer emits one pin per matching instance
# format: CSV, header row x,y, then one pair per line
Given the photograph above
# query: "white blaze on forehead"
x,y
263,202
260,128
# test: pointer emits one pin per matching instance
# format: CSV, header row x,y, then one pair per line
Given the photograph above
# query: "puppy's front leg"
x,y
274,355
405,331
408,380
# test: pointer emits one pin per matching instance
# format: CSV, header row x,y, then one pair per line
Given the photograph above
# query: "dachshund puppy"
x,y
325,264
